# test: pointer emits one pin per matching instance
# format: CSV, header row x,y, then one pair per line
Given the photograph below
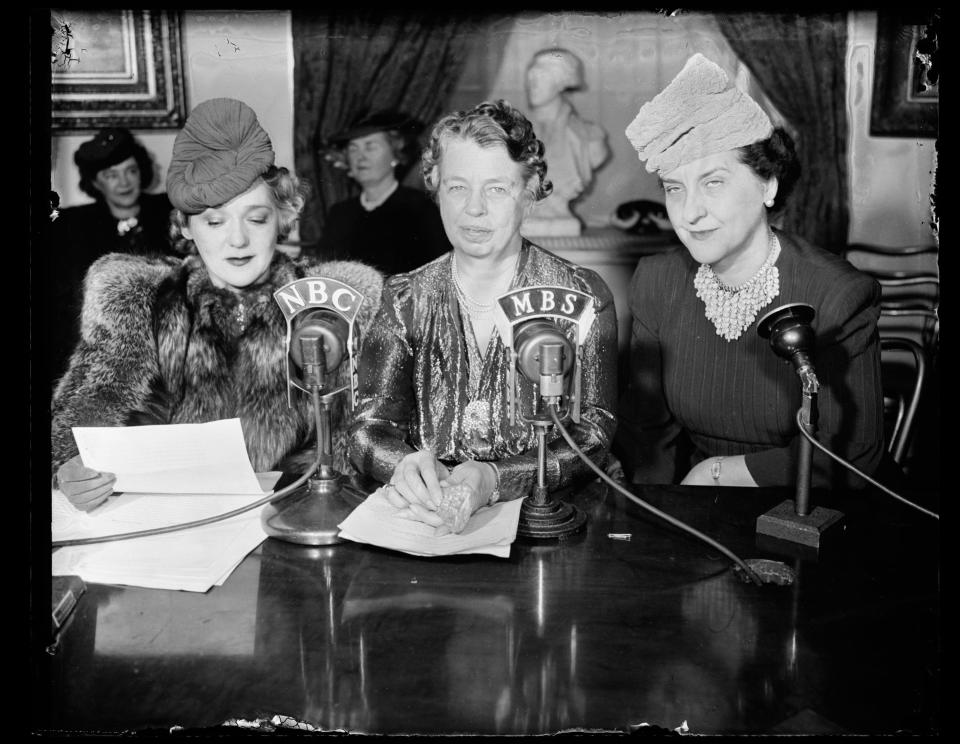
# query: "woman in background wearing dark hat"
x,y
701,378
115,170
392,227
168,341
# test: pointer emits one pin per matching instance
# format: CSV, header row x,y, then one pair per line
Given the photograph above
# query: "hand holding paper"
x,y
171,458
85,487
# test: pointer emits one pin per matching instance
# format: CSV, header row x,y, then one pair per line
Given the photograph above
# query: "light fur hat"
x,y
699,113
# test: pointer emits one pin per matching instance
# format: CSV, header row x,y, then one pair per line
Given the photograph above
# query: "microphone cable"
x,y
663,515
273,496
853,468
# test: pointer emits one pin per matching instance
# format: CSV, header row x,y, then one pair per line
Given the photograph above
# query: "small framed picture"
x,y
116,68
906,91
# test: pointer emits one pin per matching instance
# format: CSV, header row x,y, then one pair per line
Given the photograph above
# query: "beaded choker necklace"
x,y
733,309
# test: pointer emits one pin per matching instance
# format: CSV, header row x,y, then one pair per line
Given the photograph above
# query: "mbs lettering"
x,y
558,302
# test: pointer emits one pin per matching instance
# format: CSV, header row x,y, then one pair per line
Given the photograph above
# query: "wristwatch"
x,y
495,494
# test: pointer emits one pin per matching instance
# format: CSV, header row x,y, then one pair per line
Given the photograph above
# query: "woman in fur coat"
x,y
168,341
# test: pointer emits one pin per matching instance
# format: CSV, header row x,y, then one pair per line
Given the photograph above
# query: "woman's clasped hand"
x,y
424,489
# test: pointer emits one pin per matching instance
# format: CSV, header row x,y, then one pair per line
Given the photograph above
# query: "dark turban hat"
x,y
108,147
220,152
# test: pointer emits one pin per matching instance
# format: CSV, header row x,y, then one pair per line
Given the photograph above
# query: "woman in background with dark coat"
x,y
115,170
392,227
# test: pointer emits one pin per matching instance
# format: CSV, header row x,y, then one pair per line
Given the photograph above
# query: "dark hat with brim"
x,y
378,121
107,148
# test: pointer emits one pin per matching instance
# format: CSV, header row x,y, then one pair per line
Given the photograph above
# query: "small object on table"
x,y
66,593
454,506
769,572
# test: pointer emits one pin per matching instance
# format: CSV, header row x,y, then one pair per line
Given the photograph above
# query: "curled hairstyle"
x,y
490,124
88,173
289,196
776,157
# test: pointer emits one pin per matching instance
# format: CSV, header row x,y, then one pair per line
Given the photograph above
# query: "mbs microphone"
x,y
535,324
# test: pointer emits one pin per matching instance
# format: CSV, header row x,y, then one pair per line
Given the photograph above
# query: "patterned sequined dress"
x,y
422,384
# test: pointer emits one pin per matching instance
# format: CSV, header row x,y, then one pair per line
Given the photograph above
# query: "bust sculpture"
x,y
574,147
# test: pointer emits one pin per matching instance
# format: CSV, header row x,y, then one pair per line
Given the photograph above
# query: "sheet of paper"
x,y
168,561
172,458
126,512
194,559
491,530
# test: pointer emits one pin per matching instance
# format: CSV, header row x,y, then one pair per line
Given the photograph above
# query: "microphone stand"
x,y
312,517
793,522
540,515
808,415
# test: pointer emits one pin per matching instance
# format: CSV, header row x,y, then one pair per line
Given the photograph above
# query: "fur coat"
x,y
161,345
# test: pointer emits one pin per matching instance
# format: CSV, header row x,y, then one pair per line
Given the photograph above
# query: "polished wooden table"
x,y
594,632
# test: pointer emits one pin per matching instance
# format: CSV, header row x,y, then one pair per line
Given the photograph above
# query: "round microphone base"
x,y
312,515
550,521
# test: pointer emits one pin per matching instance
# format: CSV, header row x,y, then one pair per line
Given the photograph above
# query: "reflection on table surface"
x,y
592,632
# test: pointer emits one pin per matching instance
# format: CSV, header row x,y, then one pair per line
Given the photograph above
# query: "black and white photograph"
x,y
483,372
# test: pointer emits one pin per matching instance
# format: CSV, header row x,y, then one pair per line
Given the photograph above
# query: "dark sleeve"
x,y
116,359
379,435
850,400
68,261
434,240
160,239
336,242
598,422
646,436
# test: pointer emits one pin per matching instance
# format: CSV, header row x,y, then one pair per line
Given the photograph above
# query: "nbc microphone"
x,y
321,314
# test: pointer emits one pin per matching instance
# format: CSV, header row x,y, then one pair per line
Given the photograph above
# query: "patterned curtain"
x,y
349,64
800,62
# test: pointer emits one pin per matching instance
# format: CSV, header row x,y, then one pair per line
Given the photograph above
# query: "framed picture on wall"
x,y
116,68
906,91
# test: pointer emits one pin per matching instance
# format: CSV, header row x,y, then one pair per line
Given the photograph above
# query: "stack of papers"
x,y
166,475
491,530
193,560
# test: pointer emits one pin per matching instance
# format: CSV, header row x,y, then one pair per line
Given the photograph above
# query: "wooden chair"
x,y
921,325
909,276
904,371
909,279
894,263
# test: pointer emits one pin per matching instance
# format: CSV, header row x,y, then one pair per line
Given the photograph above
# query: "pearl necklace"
x,y
471,304
733,309
371,204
